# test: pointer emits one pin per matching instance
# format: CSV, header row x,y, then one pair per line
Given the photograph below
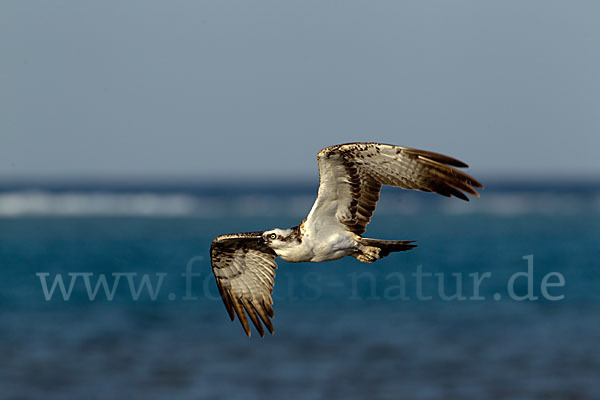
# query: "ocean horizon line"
x,y
298,184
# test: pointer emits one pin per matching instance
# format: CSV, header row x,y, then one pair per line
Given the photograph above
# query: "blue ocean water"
x,y
343,329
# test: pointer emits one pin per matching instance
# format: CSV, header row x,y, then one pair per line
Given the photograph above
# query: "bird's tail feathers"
x,y
389,246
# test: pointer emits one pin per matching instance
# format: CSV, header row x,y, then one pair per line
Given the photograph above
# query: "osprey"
x,y
350,178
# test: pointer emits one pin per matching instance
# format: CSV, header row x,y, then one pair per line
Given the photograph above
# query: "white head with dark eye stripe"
x,y
278,238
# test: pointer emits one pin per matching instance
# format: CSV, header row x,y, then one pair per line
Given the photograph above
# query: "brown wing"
x,y
351,176
244,268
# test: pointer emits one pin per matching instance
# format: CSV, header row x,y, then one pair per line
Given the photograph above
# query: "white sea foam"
x,y
14,204
45,203
512,204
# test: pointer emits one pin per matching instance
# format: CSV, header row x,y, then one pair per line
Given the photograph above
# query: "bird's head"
x,y
279,238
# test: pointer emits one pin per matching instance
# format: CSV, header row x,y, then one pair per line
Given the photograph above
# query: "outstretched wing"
x,y
351,176
244,268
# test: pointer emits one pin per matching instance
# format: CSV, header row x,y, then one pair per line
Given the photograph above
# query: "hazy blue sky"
x,y
255,88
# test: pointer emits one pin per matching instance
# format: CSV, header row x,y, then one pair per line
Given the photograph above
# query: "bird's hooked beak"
x,y
261,241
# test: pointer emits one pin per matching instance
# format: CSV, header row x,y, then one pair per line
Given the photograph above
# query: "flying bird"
x,y
350,179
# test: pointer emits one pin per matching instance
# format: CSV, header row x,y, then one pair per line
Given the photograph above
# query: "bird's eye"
x,y
272,236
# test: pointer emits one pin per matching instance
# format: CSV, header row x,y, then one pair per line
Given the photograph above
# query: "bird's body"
x,y
351,176
314,246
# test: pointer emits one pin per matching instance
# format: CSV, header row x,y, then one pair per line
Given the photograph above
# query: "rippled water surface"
x,y
343,329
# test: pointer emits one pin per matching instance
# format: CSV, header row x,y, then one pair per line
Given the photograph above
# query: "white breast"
x,y
325,245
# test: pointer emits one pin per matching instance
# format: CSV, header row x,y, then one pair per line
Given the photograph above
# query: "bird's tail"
x,y
389,246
